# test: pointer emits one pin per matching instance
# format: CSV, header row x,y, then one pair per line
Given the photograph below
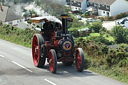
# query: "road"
x,y
109,24
17,68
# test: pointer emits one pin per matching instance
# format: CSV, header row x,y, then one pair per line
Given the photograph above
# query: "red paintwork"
x,y
35,53
54,44
78,60
58,46
51,61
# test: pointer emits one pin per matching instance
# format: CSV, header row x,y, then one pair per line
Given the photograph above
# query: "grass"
x,y
94,34
80,37
15,40
114,72
106,36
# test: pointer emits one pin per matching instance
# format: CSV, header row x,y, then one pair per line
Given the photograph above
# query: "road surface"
x,y
17,68
110,24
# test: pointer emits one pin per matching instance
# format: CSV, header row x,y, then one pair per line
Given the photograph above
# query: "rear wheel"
x,y
79,60
38,51
52,61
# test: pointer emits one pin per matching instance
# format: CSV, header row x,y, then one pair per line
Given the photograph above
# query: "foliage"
x,y
118,16
16,35
105,60
96,26
85,15
74,32
76,23
118,56
126,36
100,39
119,34
121,15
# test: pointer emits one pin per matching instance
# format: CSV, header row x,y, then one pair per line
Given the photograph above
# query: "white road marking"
x,y
2,56
49,82
22,66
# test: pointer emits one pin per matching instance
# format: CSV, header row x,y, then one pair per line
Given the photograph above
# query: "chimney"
x,y
64,23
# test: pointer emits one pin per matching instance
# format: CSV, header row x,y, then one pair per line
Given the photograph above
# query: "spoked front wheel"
x,y
52,61
79,60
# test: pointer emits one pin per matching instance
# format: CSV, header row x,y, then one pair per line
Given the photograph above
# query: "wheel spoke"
x,y
52,61
79,60
37,41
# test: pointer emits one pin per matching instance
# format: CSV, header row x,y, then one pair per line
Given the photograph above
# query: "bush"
x,y
121,15
74,32
100,39
16,35
110,18
118,16
119,34
85,15
123,63
96,26
76,23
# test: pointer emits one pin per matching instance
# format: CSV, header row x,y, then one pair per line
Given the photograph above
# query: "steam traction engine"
x,y
56,44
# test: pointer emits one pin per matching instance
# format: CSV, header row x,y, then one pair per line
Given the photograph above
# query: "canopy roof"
x,y
45,19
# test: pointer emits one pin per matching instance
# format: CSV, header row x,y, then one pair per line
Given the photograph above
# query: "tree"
x,y
96,26
119,34
76,23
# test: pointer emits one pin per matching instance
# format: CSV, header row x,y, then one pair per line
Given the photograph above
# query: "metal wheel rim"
x,y
51,62
35,50
78,60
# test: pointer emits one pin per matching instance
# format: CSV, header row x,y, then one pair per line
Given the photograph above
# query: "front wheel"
x,y
79,60
52,61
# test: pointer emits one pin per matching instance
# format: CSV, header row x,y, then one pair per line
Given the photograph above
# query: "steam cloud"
x,y
18,8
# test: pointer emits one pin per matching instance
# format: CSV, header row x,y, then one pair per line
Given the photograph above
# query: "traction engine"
x,y
55,43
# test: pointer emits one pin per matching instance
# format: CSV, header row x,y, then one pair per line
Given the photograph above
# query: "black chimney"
x,y
64,23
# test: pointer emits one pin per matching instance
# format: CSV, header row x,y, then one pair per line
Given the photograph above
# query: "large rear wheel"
x,y
38,50
79,60
52,61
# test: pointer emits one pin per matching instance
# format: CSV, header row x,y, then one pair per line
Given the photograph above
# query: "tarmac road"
x,y
17,68
109,24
